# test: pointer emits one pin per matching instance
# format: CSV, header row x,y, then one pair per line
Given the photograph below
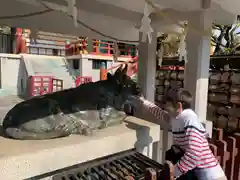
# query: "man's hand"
x,y
134,106
168,171
142,98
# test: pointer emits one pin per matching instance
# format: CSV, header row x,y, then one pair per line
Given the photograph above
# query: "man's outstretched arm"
x,y
156,111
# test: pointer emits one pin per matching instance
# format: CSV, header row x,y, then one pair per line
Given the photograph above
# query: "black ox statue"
x,y
78,110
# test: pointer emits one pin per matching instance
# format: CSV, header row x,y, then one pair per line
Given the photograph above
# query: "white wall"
x,y
85,65
86,69
13,74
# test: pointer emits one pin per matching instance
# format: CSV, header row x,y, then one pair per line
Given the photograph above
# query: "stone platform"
x,y
25,159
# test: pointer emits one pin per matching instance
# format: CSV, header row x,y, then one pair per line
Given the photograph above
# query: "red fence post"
x,y
221,147
82,80
226,148
236,175
231,148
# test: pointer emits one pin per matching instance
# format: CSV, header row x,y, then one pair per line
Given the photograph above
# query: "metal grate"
x,y
125,165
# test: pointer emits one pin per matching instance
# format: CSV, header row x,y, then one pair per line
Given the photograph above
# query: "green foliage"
x,y
225,39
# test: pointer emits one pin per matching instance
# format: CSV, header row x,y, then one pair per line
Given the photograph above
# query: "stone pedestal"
x,y
198,55
146,78
147,66
25,159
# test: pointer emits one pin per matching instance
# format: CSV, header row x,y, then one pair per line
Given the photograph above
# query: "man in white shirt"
x,y
189,135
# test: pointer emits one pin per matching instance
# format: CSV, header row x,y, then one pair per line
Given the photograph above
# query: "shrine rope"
x,y
25,15
158,11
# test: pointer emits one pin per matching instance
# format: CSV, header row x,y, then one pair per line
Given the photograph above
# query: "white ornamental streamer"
x,y
146,28
160,55
182,48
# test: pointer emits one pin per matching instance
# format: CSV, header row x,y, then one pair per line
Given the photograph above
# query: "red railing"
x,y
132,68
99,48
82,80
40,85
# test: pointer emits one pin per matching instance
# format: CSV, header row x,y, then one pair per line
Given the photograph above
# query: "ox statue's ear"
x,y
124,71
109,76
118,72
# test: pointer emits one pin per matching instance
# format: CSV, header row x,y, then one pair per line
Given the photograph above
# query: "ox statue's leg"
x,y
22,134
43,128
112,117
117,118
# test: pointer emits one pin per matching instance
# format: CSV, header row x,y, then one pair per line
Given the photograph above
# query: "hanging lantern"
x,y
146,28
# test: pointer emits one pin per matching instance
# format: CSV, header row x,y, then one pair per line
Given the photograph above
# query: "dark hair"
x,y
179,95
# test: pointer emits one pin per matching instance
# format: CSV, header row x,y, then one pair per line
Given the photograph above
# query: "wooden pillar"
x,y
147,66
146,79
198,55
197,67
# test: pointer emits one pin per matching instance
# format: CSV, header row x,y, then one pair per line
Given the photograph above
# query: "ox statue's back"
x,y
73,111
